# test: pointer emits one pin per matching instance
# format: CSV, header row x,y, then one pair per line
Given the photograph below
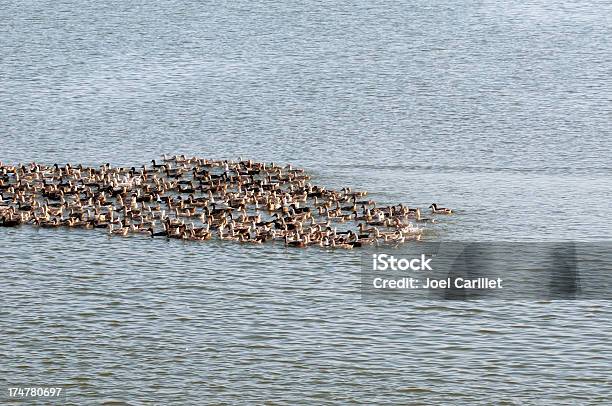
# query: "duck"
x,y
48,223
10,222
121,230
440,210
301,243
341,244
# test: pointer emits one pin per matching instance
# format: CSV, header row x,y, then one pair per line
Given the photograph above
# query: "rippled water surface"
x,y
500,110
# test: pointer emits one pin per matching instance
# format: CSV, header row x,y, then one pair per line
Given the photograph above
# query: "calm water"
x,y
500,110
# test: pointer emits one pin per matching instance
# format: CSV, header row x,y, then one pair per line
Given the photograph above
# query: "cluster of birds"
x,y
196,199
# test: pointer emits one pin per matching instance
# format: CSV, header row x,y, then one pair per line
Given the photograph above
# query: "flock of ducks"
x,y
198,199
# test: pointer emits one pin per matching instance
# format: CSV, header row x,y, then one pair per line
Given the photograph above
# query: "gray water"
x,y
499,110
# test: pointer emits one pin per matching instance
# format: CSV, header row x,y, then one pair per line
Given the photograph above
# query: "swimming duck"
x,y
440,210
297,242
10,222
121,230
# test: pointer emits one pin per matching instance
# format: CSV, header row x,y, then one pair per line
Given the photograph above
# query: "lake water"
x,y
499,110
